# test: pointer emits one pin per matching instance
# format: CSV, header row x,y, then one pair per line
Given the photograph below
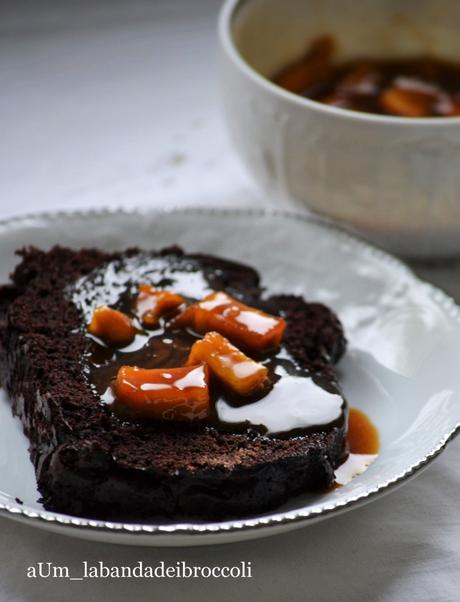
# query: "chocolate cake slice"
x,y
93,461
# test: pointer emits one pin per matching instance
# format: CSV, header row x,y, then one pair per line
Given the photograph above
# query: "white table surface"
x,y
117,103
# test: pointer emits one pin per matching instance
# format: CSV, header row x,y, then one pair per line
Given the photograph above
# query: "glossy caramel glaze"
x,y
281,409
363,446
363,436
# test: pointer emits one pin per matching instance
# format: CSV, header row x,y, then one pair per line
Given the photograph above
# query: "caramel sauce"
x,y
363,436
278,411
363,446
293,402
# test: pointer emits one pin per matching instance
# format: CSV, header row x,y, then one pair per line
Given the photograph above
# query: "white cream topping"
x,y
146,302
108,397
353,466
139,341
294,402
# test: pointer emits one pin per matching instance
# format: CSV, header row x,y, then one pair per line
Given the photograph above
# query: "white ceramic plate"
x,y
401,366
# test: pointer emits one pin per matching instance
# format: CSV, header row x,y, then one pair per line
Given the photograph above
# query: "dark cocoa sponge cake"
x,y
92,460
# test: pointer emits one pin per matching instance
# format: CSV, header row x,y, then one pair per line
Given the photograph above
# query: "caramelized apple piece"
x,y
311,69
243,325
112,326
362,78
447,106
236,370
164,393
409,98
151,303
337,100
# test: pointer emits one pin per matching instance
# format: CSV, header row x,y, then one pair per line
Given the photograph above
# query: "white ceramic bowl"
x,y
395,180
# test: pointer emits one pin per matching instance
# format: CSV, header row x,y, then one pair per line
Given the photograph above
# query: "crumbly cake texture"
x,y
90,463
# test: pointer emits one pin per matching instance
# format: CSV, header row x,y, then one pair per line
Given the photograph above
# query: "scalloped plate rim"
x,y
181,534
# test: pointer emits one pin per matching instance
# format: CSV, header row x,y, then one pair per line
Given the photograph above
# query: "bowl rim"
x,y
227,15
